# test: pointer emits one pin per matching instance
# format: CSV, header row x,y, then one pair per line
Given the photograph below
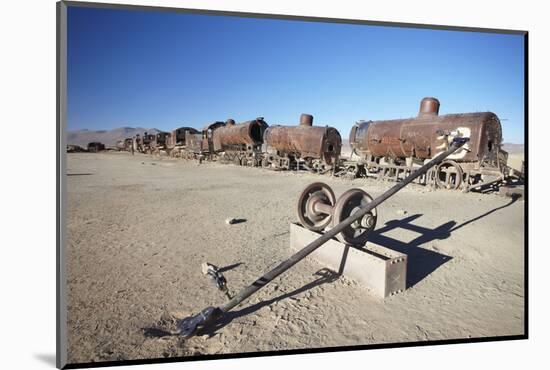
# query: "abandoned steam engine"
x,y
386,149
315,148
395,148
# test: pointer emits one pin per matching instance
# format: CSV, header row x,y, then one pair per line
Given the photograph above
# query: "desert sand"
x,y
139,227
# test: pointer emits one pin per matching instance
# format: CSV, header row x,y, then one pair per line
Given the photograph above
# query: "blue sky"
x,y
166,70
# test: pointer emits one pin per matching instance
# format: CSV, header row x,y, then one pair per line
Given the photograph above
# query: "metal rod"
x,y
301,254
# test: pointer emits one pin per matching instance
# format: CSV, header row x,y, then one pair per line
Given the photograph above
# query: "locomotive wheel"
x,y
349,203
448,175
315,193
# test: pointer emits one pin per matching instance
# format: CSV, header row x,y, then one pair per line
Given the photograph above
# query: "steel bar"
x,y
298,256
323,208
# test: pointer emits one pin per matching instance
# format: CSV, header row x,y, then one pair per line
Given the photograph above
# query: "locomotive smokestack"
x,y
429,107
230,121
306,120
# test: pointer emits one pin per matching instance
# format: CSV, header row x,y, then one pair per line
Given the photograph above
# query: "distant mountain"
x,y
107,137
513,148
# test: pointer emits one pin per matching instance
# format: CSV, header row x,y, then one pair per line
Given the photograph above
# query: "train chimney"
x,y
429,107
306,120
230,121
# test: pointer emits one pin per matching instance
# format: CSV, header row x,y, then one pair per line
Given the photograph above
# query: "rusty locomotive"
x,y
254,143
159,143
199,145
385,149
393,149
227,142
176,143
239,143
314,148
145,143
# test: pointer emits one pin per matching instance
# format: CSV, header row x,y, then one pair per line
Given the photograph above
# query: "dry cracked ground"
x,y
139,227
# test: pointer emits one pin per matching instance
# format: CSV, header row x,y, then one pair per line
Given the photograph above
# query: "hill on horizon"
x,y
108,137
513,148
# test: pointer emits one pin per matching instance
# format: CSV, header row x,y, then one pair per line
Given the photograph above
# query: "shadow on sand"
x,y
421,261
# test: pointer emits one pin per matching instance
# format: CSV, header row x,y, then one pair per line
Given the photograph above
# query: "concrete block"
x,y
382,270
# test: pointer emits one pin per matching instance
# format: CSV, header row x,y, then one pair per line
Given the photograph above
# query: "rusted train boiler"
x,y
315,148
393,149
240,143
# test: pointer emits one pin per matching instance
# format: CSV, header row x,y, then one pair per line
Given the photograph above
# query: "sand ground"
x,y
139,228
515,160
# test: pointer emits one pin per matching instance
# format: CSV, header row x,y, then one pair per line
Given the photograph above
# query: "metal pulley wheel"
x,y
448,175
315,206
349,203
